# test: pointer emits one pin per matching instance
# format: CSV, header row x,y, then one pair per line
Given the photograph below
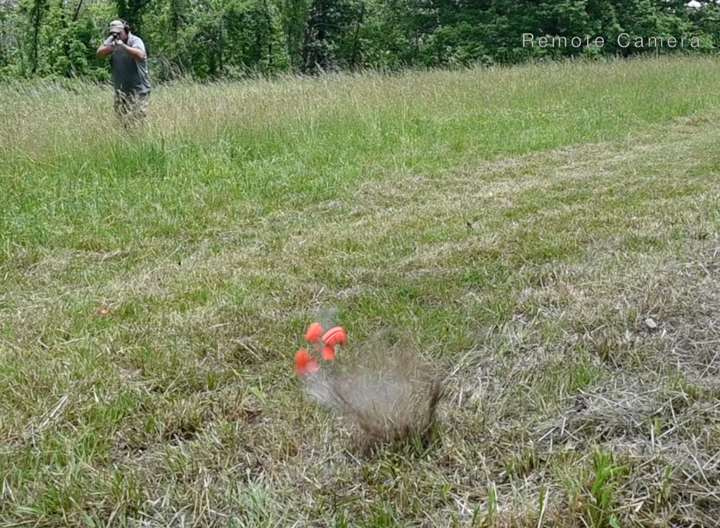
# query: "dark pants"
x,y
131,108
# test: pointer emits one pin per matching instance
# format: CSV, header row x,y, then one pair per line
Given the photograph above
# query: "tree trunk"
x,y
36,16
356,37
77,10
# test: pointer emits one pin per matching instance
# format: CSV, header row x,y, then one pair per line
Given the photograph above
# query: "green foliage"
x,y
65,53
600,509
9,46
217,38
49,38
212,39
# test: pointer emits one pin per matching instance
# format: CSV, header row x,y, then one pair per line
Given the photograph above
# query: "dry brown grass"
x,y
386,393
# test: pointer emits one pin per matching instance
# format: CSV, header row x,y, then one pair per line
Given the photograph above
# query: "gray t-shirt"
x,y
129,76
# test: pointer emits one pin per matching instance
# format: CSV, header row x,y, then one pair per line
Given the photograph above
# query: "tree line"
x,y
210,39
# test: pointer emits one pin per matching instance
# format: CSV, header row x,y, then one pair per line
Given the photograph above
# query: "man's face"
x,y
120,34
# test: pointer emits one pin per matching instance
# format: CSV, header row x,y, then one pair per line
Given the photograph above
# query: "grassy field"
x,y
547,236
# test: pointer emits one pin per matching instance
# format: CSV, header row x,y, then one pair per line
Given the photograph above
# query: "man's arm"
x,y
136,53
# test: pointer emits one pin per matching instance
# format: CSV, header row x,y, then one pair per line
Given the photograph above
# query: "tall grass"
x,y
73,178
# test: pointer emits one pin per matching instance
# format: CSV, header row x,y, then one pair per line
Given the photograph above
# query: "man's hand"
x,y
107,47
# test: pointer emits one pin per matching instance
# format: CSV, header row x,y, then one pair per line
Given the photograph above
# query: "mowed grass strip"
x,y
561,265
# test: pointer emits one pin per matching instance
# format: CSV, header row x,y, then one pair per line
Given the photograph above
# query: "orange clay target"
x,y
314,332
305,363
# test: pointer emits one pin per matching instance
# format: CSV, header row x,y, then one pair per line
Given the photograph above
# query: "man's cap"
x,y
116,26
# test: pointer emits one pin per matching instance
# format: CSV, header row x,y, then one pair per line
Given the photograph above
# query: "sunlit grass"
x,y
73,179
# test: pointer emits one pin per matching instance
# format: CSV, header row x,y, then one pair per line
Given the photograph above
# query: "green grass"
x,y
518,226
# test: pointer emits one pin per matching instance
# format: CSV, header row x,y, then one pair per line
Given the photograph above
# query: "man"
x,y
129,71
